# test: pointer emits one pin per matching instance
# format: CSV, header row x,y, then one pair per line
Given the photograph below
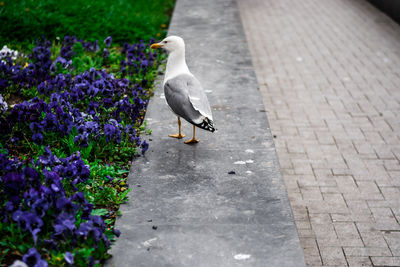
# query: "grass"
x,y
23,21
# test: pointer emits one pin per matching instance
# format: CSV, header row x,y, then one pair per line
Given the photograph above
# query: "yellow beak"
x,y
156,45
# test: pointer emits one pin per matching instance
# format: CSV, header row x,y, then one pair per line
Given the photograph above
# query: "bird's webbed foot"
x,y
192,141
179,136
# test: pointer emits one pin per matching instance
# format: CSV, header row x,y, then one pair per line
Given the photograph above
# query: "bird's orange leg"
x,y
193,140
179,135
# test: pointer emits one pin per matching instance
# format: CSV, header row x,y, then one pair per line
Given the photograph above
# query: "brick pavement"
x,y
329,73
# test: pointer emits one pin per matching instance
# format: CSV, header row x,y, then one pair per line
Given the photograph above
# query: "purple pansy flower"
x,y
33,258
108,41
69,257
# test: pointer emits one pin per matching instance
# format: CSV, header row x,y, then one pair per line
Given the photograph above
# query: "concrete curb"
x,y
185,209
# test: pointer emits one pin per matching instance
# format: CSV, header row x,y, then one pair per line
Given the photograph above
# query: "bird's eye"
x,y
165,42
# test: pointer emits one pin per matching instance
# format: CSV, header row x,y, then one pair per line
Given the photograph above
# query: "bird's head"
x,y
170,43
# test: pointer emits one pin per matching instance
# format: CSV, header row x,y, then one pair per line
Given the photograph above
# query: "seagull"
x,y
183,92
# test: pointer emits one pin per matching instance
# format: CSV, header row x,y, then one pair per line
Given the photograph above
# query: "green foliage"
x,y
124,20
99,212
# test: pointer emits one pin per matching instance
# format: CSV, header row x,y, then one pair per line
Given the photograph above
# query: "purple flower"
x,y
13,183
48,159
91,126
79,197
93,91
53,69
85,229
50,122
108,41
64,63
69,257
65,223
9,206
28,221
55,187
18,216
40,207
82,140
92,74
36,127
108,102
96,104
3,105
92,108
116,232
33,258
65,204
98,221
145,146
70,171
106,53
109,131
37,138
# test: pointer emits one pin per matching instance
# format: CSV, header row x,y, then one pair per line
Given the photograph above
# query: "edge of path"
x,y
184,208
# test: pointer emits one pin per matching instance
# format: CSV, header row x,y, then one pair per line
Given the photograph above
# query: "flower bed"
x,y
71,116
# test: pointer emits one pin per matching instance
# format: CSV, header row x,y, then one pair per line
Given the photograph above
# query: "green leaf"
x,y
99,212
22,248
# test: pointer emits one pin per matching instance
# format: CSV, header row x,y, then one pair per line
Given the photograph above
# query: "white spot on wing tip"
x,y
242,256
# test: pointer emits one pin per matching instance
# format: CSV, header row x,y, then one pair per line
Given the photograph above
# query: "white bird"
x,y
183,92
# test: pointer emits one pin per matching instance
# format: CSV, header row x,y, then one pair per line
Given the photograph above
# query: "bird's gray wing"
x,y
198,97
176,93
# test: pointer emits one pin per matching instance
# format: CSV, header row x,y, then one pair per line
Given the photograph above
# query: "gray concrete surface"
x,y
329,73
185,209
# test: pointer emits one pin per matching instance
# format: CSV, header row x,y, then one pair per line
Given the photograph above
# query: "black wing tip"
x,y
207,125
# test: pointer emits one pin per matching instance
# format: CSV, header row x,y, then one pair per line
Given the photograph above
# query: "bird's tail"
x,y
207,124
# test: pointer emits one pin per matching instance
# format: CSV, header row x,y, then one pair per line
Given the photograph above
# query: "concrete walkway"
x,y
221,202
329,73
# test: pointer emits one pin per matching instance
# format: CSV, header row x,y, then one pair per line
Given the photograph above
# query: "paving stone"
x,y
336,96
385,261
393,240
333,256
303,225
313,251
314,261
387,224
373,239
379,212
346,184
366,251
388,191
307,242
359,261
348,234
357,206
